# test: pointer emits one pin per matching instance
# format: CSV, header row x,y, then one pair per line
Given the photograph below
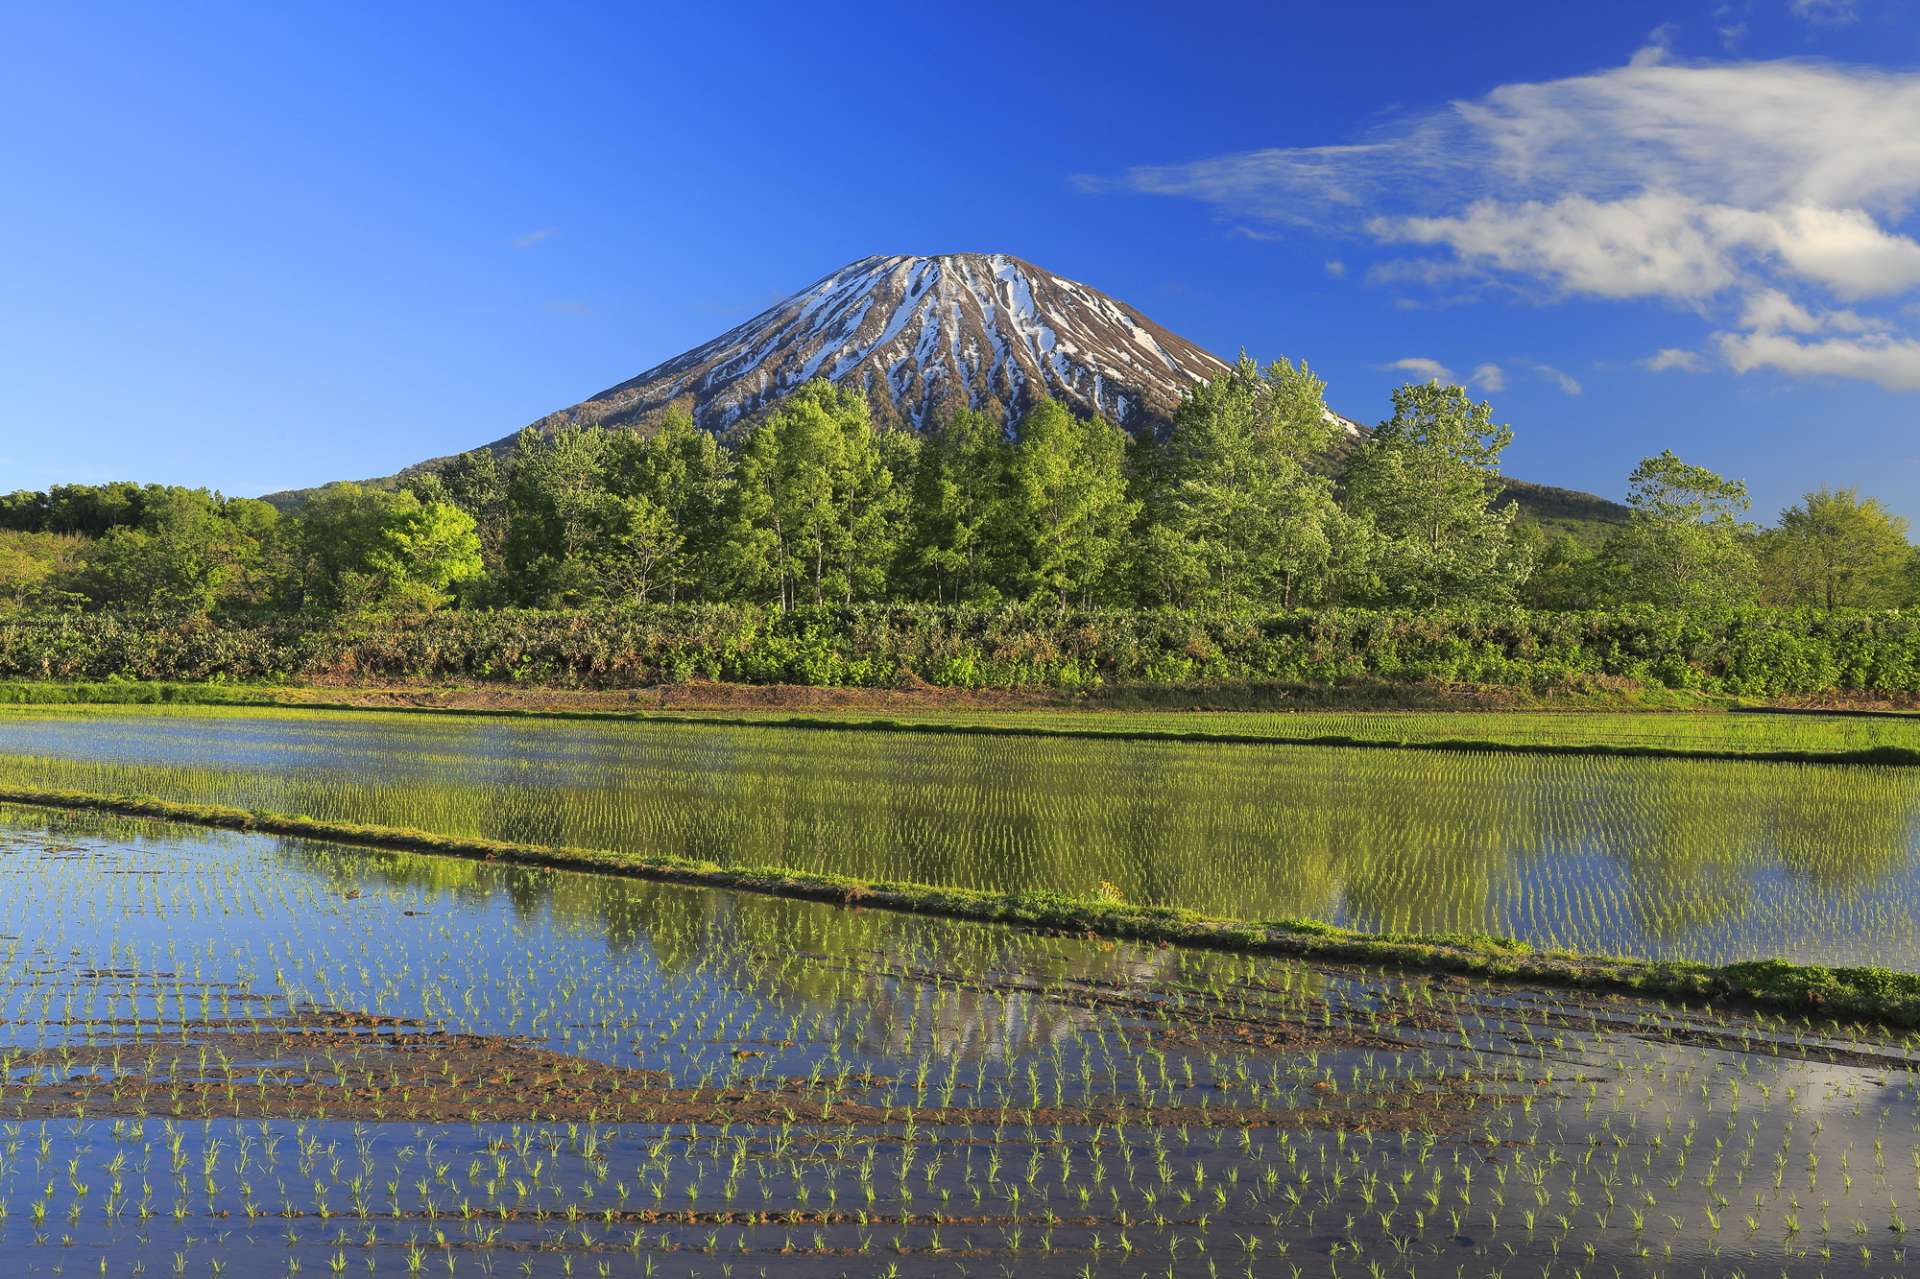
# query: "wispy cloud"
x,y
532,238
568,308
1422,367
1828,12
1334,267
1567,383
1673,359
1705,185
1490,378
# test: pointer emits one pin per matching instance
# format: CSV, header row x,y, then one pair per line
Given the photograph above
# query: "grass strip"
x,y
855,722
1852,993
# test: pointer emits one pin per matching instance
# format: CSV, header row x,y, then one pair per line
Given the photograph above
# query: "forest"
x,y
1251,499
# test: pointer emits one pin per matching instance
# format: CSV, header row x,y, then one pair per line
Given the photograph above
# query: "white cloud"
x,y
1769,310
1652,245
1673,359
1565,381
1843,249
532,238
1490,378
1335,267
1430,370
1658,244
1776,188
1892,362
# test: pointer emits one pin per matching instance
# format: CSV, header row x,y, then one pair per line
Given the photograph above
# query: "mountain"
x,y
919,334
923,334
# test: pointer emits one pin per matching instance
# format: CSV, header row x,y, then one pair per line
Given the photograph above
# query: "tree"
x,y
23,511
1835,550
1565,573
33,566
1068,512
183,555
476,482
358,549
685,474
1682,546
1425,480
1235,513
335,534
815,514
952,552
96,509
425,550
553,509
636,552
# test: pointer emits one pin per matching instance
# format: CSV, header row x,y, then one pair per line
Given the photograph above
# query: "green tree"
x,y
1683,545
425,550
1836,550
182,556
1069,516
684,473
1235,512
476,482
554,502
335,535
356,549
34,565
952,551
637,551
815,515
1425,481
1565,574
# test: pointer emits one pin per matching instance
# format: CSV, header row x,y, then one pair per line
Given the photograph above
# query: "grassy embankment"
x,y
1720,733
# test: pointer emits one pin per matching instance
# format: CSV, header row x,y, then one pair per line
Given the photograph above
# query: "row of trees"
x,y
1251,498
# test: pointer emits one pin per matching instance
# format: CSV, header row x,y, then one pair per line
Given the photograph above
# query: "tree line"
x,y
1251,498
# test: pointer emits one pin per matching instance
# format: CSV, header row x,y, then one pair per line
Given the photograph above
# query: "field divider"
x,y
1884,755
1858,993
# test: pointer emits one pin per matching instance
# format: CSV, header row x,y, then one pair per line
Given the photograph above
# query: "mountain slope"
x,y
919,334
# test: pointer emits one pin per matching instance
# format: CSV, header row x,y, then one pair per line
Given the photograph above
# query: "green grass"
x,y
1795,737
132,693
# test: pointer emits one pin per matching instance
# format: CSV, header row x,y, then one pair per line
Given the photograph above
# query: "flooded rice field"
x,y
1664,858
232,1054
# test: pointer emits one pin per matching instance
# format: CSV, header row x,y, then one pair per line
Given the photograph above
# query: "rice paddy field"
x,y
240,1054
1664,858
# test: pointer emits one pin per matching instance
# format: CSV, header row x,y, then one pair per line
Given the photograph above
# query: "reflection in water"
x,y
1662,857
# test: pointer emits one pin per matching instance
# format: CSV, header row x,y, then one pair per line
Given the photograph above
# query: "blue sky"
x,y
260,246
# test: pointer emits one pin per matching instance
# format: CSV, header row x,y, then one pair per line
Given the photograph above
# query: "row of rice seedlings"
x,y
865,1094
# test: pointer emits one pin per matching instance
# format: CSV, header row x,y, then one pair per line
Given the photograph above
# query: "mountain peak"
x,y
918,334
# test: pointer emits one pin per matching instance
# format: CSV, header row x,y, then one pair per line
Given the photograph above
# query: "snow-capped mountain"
x,y
920,333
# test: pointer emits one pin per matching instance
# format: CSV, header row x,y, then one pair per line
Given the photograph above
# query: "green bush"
x,y
1750,652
